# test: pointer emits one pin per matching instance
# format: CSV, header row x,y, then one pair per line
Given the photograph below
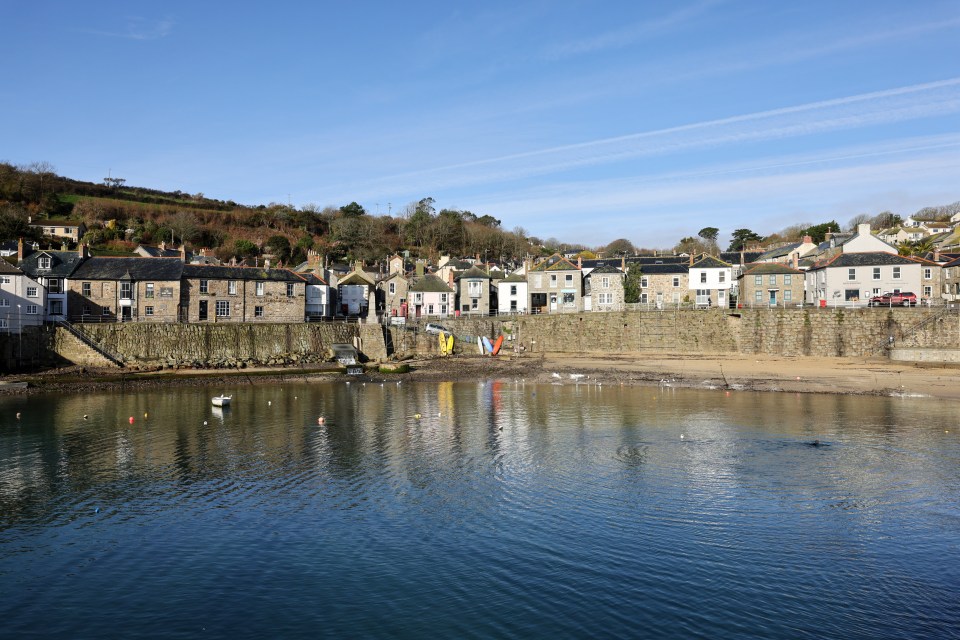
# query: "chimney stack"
x,y
183,252
84,250
420,269
266,263
579,262
796,259
936,254
20,251
623,263
807,240
691,259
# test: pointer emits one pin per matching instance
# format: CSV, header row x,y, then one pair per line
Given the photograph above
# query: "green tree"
x,y
631,285
741,238
279,246
818,232
245,248
619,247
352,210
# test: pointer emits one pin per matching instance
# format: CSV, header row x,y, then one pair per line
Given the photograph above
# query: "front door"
x,y
553,302
203,310
773,297
125,314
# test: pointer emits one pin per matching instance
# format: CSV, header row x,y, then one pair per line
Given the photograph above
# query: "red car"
x,y
899,299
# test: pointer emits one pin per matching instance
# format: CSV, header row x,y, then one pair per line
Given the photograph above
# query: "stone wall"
x,y
221,344
788,332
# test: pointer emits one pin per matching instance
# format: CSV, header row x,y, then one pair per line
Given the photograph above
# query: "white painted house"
x,y
711,279
512,294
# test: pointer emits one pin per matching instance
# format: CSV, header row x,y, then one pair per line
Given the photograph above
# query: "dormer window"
x,y
45,262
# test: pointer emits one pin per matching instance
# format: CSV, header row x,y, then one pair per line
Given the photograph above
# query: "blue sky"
x,y
584,121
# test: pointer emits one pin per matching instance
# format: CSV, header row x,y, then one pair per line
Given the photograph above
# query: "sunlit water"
x,y
504,511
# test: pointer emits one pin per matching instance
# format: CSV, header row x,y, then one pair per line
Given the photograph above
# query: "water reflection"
x,y
453,507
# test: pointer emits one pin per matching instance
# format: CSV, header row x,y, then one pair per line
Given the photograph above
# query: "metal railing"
x,y
112,356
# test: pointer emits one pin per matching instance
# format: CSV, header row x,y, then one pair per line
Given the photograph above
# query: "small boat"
x,y
222,401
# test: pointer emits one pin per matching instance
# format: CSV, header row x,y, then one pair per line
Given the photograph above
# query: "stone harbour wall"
x,y
786,332
220,344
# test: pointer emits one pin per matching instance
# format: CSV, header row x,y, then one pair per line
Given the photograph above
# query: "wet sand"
x,y
858,376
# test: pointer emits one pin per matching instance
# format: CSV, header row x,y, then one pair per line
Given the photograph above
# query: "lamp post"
x,y
20,334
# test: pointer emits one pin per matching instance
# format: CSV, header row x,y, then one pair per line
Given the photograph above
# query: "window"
x,y
643,298
787,295
259,289
223,308
927,273
85,289
148,291
569,279
429,309
676,281
473,304
32,309
443,298
44,262
148,311
758,281
393,288
605,282
4,279
703,277
3,323
54,285
289,289
553,279
31,292
896,273
126,290
258,312
723,276
4,302
513,289
418,297
231,287
773,279
568,299
876,273
644,282
758,294
787,279
851,274
204,286
927,291
474,288
537,281
105,311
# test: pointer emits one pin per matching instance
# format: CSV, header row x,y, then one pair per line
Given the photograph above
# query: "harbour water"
x,y
478,510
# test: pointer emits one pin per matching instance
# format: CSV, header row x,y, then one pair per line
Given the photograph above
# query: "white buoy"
x,y
18,415
204,423
320,420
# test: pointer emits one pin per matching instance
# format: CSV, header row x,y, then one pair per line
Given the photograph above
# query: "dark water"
x,y
504,511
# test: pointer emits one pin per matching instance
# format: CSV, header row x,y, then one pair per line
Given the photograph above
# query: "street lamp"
x,y
20,333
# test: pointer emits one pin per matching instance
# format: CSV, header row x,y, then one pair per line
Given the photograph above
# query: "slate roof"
x,y
556,262
514,277
868,259
666,268
710,262
213,272
312,278
768,268
7,268
606,268
157,252
473,273
779,252
103,268
733,257
62,263
428,284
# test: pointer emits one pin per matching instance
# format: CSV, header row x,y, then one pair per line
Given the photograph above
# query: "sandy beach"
x,y
859,376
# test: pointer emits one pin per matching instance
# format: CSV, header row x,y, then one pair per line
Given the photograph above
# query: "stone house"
x,y
51,270
21,299
603,289
711,279
317,303
124,289
473,292
394,292
950,274
665,283
853,278
512,294
429,296
241,294
555,285
770,284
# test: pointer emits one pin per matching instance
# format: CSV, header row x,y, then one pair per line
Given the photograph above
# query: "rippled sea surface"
x,y
488,510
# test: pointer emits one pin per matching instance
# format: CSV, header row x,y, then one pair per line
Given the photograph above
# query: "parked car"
x,y
436,328
898,298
